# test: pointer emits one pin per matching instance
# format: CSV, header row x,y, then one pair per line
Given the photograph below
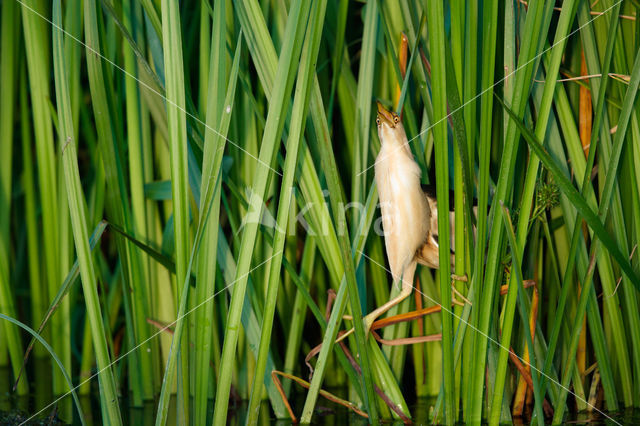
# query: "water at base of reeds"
x,y
16,410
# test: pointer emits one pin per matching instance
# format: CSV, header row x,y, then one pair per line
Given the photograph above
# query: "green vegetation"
x,y
186,188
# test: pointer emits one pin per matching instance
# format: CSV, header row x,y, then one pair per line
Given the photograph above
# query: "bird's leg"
x,y
455,291
407,287
461,278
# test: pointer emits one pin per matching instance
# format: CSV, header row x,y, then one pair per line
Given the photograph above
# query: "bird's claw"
x,y
368,323
463,278
455,291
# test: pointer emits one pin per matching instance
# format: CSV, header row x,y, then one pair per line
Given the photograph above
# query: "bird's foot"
x,y
455,291
462,278
368,323
345,335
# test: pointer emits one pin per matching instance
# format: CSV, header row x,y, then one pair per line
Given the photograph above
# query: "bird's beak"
x,y
385,116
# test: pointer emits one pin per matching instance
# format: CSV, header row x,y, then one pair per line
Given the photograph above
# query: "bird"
x,y
409,208
409,211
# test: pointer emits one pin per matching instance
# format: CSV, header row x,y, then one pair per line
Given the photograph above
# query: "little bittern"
x,y
409,210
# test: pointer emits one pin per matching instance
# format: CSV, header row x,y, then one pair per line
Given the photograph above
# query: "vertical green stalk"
x,y
37,48
564,25
177,124
160,282
36,285
438,84
264,56
289,55
460,249
362,118
577,253
299,311
509,54
532,30
306,72
628,298
108,129
464,218
470,114
457,39
338,53
595,327
615,308
8,64
587,191
524,309
108,393
607,194
210,194
594,221
73,56
385,375
140,297
212,159
66,254
337,202
204,57
473,413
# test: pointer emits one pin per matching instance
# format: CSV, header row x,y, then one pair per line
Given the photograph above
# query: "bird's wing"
x,y
430,192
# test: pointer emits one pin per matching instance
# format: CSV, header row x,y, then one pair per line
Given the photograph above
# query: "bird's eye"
x,y
378,121
396,118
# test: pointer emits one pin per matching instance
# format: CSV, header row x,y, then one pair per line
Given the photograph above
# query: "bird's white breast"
x,y
405,212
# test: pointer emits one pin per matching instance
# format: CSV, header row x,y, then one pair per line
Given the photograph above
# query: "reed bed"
x,y
188,208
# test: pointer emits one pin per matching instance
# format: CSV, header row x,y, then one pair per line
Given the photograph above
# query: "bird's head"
x,y
390,128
